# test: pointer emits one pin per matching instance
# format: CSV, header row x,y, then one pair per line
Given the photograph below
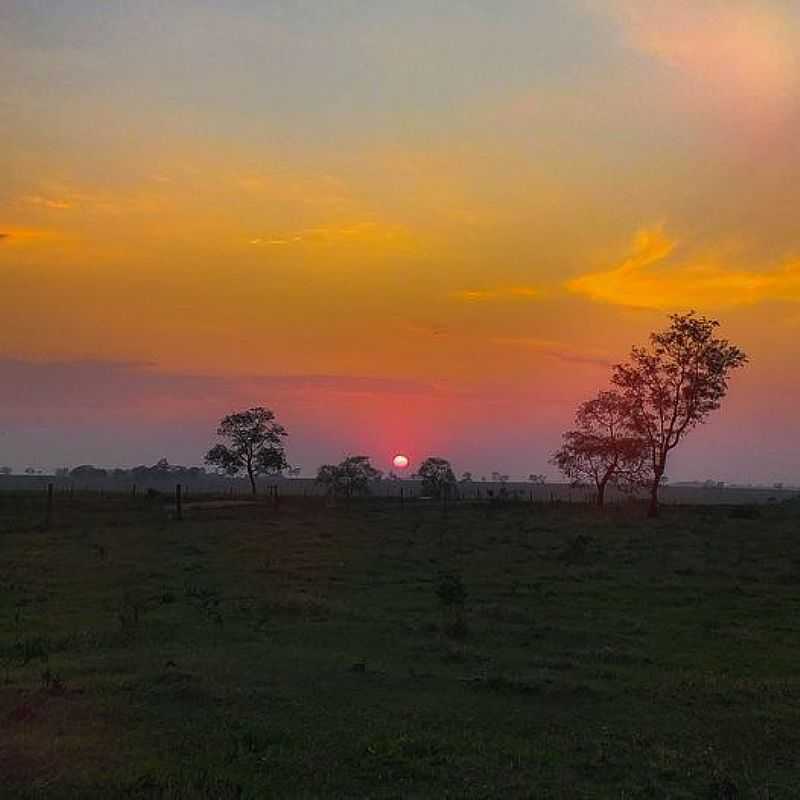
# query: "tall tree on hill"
x,y
254,445
602,448
672,385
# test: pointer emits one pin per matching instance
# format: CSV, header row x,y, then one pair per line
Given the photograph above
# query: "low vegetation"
x,y
369,649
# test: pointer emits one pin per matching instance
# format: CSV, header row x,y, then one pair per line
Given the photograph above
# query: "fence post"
x,y
49,513
178,502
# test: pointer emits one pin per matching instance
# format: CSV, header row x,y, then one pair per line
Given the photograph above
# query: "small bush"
x,y
452,595
451,591
745,512
576,550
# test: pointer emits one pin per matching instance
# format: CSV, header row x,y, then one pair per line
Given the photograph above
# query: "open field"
x,y
247,652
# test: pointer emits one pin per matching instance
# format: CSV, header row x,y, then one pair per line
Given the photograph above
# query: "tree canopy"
x,y
672,385
350,477
437,476
602,448
254,445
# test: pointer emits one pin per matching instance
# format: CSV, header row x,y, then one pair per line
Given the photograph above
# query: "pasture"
x,y
319,651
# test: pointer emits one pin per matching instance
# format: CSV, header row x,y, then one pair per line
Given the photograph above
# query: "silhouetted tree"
x,y
351,476
255,445
437,476
603,448
672,386
161,471
88,472
536,479
6,471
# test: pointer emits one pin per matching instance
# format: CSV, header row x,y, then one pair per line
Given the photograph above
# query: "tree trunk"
x,y
652,511
601,495
252,480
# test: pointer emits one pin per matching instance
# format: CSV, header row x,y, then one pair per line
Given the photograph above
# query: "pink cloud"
x,y
737,56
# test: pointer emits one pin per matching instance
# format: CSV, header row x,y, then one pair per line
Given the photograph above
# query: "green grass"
x,y
248,653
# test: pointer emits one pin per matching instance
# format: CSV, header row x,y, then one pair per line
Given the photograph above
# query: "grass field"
x,y
307,652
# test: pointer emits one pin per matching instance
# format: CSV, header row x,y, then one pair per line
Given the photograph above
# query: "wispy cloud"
x,y
31,386
47,202
557,350
15,236
499,293
427,329
320,191
646,279
358,233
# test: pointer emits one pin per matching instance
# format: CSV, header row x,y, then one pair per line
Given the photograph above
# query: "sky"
x,y
427,228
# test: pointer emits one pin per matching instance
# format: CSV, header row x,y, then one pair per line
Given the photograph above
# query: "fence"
x,y
409,489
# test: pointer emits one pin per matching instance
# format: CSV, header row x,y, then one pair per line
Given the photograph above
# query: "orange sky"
x,y
402,229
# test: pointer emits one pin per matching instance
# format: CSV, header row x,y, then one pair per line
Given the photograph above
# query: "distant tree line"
x,y
162,470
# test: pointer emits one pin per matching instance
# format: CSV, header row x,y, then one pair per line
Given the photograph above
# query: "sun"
x,y
400,461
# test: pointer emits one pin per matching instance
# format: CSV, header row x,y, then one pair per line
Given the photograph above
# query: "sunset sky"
x,y
424,227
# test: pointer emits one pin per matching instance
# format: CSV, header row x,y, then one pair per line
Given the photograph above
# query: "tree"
x,y
537,479
672,386
88,472
437,476
161,472
163,468
602,448
351,476
255,445
4,471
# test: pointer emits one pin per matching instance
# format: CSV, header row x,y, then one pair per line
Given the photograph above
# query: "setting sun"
x,y
400,461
